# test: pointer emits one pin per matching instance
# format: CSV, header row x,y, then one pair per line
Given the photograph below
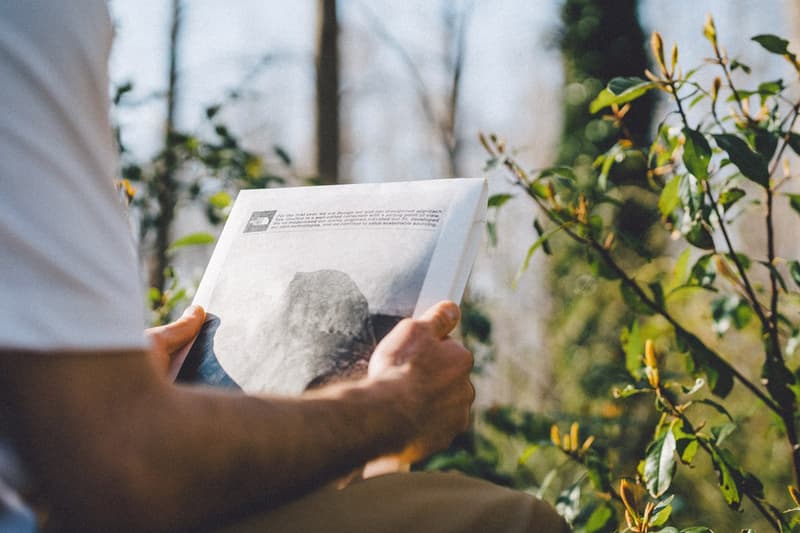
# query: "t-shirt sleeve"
x,y
68,265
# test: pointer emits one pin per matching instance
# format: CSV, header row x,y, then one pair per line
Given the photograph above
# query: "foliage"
x,y
211,168
600,42
709,174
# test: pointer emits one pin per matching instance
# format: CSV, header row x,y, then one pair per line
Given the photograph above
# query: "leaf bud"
x,y
715,89
628,498
609,242
657,45
724,270
650,76
650,354
485,143
573,436
587,443
795,494
710,30
674,59
582,210
555,436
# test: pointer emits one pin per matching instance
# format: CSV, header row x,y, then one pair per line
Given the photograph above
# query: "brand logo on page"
x,y
259,221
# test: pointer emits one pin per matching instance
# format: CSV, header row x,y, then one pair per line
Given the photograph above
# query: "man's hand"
x,y
429,375
170,342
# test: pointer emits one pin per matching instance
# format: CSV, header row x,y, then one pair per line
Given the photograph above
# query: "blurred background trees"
x,y
215,97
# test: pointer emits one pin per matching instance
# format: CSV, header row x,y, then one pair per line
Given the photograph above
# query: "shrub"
x,y
730,314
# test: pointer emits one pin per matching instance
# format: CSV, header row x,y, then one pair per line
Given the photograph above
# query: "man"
x,y
93,420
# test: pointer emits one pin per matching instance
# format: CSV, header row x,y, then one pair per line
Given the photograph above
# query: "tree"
x,y
165,182
327,95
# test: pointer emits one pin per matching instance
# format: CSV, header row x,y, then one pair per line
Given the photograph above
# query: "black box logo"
x,y
259,221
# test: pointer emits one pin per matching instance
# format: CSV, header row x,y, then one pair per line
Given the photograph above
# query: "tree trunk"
x,y
327,63
166,184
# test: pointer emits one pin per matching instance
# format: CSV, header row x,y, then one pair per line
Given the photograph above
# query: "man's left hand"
x,y
170,342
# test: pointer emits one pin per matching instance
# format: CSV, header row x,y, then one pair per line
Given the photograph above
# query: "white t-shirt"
x,y
68,267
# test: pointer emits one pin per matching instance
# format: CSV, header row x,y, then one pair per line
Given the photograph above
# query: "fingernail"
x,y
191,310
452,311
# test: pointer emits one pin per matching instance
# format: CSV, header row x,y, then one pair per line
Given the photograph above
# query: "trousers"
x,y
418,502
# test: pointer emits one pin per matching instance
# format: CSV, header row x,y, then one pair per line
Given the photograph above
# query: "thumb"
x,y
176,334
441,318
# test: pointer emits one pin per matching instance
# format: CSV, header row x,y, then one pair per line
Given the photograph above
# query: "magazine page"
x,y
305,281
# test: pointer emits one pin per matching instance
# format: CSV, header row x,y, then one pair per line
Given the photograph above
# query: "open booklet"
x,y
305,281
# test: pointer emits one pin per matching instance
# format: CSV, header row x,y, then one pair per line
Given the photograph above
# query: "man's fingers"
x,y
175,335
441,318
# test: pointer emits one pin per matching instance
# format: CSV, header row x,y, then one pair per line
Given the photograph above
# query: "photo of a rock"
x,y
322,331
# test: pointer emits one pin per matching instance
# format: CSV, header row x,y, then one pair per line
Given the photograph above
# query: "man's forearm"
x,y
167,457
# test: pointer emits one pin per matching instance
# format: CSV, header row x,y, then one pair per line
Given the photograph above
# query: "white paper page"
x,y
304,281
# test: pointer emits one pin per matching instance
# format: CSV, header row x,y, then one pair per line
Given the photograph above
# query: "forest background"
x,y
211,97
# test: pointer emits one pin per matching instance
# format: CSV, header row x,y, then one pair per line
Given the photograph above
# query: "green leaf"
x,y
722,432
211,111
751,164
633,301
659,465
697,529
620,91
701,359
540,232
774,271
766,142
220,200
793,342
699,236
633,346
696,153
628,391
535,246
794,270
716,406
685,444
770,88
669,198
153,295
193,239
778,380
538,189
661,512
728,478
736,64
680,272
176,298
772,43
704,271
730,311
730,197
601,519
568,503
283,155
691,194
794,201
794,142
498,200
491,230
696,386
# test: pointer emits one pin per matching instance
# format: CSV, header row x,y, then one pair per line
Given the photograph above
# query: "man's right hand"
x,y
427,374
